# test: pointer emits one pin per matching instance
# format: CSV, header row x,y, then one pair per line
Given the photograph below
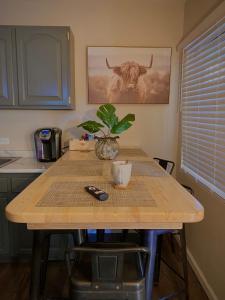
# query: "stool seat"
x,y
132,278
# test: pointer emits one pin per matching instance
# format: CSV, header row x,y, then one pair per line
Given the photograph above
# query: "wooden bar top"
x,y
173,204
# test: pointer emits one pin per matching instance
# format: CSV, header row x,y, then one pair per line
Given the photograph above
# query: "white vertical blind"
x,y
203,108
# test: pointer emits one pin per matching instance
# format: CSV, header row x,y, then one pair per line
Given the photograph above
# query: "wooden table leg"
x,y
44,263
184,261
38,238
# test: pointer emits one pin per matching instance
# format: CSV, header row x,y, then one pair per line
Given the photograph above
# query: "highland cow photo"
x,y
128,75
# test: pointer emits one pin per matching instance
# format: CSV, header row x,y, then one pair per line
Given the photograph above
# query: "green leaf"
x,y
91,126
106,113
124,124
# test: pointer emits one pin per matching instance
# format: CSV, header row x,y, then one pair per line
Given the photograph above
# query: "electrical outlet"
x,y
4,141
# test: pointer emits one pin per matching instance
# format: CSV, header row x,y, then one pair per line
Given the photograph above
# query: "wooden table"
x,y
173,207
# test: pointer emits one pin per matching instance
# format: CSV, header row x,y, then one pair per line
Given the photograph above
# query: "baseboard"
x,y
201,277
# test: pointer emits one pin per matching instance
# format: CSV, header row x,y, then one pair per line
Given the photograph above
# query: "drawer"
x,y
20,183
4,185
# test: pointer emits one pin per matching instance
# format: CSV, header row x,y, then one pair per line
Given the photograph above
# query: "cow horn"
x,y
150,65
107,64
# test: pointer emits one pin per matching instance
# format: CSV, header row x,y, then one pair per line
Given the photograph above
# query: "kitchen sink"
x,y
7,160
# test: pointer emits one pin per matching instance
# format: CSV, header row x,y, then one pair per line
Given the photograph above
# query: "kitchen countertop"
x,y
25,165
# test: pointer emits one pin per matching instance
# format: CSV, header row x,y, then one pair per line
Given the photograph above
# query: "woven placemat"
x,y
147,168
101,168
72,194
64,163
78,168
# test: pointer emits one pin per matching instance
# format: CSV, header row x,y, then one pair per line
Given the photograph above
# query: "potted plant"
x,y
106,146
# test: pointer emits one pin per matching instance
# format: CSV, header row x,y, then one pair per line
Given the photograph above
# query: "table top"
x,y
57,199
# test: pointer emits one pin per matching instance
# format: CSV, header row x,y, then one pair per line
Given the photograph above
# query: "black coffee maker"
x,y
48,144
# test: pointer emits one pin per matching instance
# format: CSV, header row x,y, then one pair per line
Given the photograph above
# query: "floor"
x,y
14,279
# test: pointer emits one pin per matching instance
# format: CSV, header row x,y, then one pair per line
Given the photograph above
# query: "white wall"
x,y
102,22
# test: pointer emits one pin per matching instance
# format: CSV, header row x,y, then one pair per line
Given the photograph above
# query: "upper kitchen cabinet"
x,y
43,66
8,73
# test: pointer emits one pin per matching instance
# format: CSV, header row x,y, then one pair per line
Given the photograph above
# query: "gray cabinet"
x,y
15,239
43,66
4,230
39,67
21,244
8,76
4,185
19,182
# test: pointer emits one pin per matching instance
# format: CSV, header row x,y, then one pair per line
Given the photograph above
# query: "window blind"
x,y
203,108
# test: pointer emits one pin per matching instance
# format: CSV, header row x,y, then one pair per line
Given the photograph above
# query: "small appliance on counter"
x,y
48,144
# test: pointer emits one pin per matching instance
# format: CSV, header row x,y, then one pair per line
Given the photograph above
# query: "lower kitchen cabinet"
x,y
22,243
4,230
15,239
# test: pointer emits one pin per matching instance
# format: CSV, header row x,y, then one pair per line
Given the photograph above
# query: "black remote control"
x,y
97,193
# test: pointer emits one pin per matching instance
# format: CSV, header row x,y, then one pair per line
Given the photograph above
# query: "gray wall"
x,y
206,240
197,10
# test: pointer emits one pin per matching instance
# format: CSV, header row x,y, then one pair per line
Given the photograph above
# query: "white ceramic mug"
x,y
121,173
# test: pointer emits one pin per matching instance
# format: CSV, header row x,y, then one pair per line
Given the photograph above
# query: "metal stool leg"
x,y
184,261
124,234
44,266
100,235
151,243
158,260
80,237
172,244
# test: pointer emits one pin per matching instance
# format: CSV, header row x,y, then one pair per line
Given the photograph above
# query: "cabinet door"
x,y
4,230
22,241
21,237
8,79
20,181
58,244
43,66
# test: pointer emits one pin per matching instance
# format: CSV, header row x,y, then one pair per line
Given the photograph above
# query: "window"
x,y
203,108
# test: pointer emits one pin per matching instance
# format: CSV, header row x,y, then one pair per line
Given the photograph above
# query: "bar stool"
x,y
104,271
169,167
156,237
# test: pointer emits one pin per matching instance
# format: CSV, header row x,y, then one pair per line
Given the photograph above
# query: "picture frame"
x,y
128,75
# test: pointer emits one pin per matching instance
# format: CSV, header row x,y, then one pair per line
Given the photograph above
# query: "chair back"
x,y
167,165
107,260
107,267
188,188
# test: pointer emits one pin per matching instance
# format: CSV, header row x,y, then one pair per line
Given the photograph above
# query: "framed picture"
x,y
128,75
